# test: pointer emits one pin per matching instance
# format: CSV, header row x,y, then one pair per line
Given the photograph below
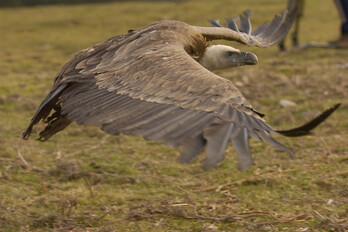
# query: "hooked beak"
x,y
249,58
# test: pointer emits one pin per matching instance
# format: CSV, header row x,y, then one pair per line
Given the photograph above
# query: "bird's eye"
x,y
230,53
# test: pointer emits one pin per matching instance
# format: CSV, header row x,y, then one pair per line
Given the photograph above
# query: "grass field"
x,y
83,179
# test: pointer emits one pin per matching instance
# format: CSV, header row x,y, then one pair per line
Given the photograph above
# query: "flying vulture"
x,y
156,82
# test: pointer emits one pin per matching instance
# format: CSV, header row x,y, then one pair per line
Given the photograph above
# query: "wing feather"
x,y
147,83
264,36
214,22
232,24
217,136
245,25
191,148
240,141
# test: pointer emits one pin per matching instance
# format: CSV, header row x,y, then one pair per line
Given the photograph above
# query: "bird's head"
x,y
222,56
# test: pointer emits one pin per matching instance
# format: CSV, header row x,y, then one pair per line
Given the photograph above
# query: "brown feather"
x,y
148,83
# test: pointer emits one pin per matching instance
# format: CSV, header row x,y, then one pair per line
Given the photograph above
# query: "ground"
x,y
83,179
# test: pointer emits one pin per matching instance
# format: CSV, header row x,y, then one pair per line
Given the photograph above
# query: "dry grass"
x,y
85,180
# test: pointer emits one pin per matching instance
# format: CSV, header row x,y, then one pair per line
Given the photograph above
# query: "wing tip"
x,y
27,132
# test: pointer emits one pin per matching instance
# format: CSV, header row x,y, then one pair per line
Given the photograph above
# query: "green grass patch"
x,y
85,180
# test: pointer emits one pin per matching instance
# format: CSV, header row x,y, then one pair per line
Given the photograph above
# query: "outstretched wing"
x,y
156,67
147,84
263,36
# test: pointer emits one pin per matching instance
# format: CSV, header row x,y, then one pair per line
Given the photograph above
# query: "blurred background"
x,y
17,3
83,179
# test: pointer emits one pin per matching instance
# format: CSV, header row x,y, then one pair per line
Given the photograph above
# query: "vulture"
x,y
157,82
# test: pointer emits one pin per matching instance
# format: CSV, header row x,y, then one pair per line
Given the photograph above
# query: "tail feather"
x,y
44,109
306,128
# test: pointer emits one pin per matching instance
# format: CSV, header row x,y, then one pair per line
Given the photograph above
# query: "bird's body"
x,y
149,82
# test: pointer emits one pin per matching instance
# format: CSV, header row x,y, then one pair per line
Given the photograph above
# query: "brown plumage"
x,y
149,82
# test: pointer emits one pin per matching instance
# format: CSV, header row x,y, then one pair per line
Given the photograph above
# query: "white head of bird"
x,y
223,56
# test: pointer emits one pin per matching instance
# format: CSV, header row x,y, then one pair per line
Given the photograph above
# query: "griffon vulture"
x,y
156,82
